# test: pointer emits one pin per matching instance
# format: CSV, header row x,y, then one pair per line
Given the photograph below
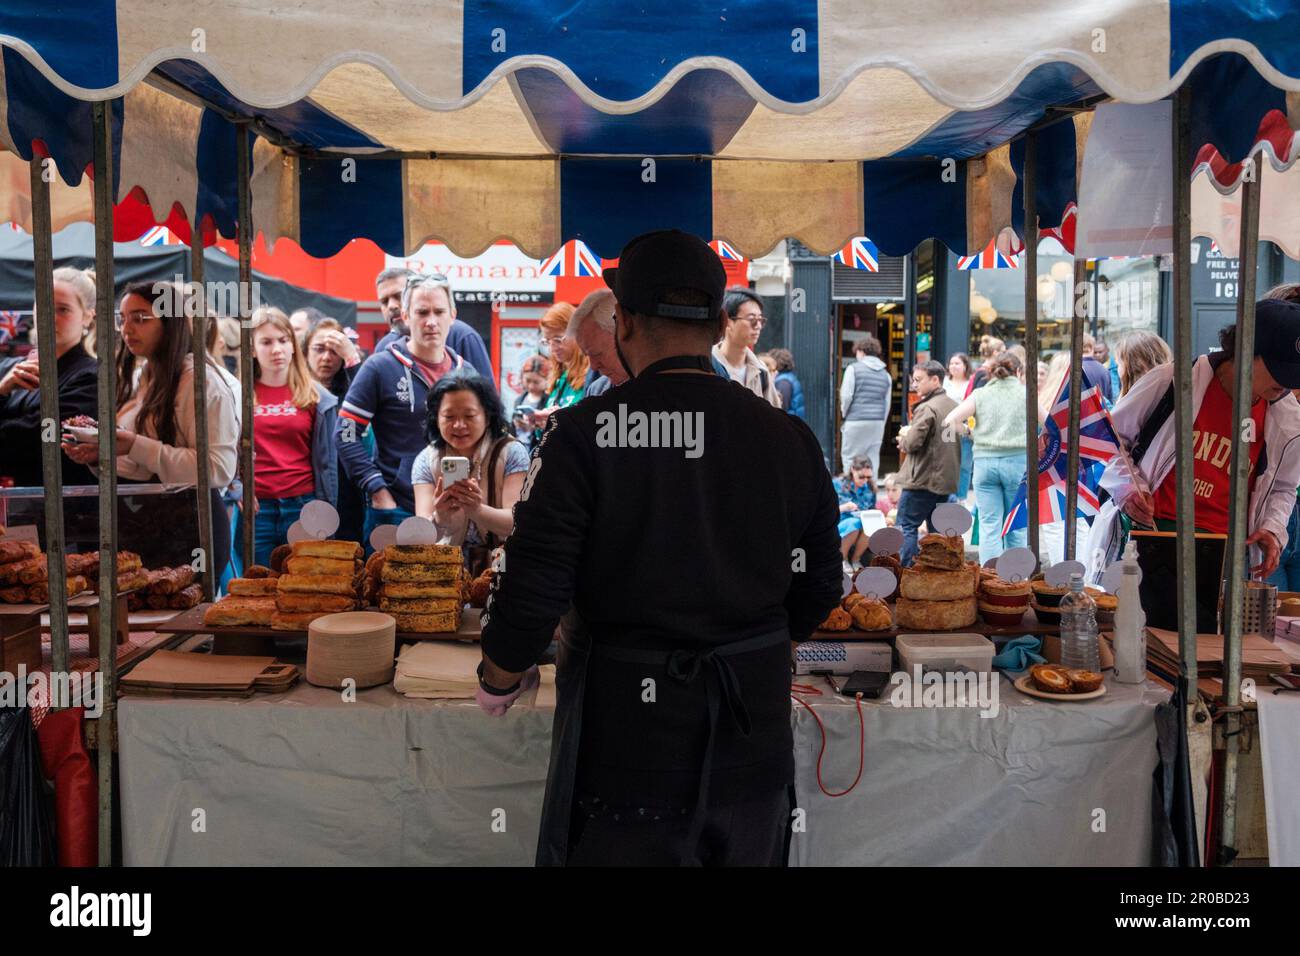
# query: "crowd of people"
x,y
366,433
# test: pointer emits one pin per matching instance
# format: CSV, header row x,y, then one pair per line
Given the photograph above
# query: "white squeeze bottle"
x,y
1130,623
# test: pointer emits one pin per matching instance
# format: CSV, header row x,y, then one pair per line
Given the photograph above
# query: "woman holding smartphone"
x,y
155,405
466,421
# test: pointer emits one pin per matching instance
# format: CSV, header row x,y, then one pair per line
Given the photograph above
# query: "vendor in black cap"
x,y
1144,421
692,528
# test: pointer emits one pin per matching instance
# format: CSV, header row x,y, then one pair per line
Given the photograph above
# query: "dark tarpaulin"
x,y
26,834
133,262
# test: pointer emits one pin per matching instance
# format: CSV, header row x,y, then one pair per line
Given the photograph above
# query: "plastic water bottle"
x,y
1079,628
1130,623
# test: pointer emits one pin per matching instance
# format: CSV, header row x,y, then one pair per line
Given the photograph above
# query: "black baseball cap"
x,y
1277,339
654,262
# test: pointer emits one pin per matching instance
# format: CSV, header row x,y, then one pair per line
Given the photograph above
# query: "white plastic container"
x,y
1130,635
945,653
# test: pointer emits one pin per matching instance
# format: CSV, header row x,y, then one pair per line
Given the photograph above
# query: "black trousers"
x,y
752,833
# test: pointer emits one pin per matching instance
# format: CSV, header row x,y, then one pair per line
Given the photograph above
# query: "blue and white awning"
x,y
472,120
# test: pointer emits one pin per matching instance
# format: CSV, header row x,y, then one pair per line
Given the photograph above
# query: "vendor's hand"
x,y
25,375
467,494
1267,542
497,705
383,500
1140,508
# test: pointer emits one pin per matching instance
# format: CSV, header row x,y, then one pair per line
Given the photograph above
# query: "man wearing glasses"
x,y
388,395
461,338
734,354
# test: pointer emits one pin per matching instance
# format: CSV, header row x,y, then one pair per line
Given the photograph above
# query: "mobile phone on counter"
x,y
454,469
867,683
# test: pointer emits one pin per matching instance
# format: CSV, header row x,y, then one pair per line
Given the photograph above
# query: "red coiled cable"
x,y
862,735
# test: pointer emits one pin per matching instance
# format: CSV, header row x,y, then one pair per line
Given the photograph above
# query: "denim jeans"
x,y
967,466
271,525
997,479
1287,575
381,516
914,509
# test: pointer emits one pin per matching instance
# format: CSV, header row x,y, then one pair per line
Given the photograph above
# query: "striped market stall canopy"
x,y
470,121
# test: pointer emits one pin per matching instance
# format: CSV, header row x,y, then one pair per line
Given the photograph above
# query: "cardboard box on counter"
x,y
843,657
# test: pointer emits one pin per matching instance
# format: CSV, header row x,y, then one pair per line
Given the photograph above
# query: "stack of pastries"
x,y
24,573
857,610
249,601
937,593
320,577
420,586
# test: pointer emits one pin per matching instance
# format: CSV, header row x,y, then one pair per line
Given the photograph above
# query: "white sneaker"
x,y
848,568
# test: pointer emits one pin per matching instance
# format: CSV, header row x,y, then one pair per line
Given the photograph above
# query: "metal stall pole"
x,y
1076,387
1183,359
199,331
104,338
245,342
1235,583
909,333
51,455
1030,184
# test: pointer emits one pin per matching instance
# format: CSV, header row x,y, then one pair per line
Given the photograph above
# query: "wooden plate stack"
x,y
356,645
420,586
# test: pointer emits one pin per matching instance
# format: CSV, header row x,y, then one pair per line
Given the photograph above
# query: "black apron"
x,y
687,664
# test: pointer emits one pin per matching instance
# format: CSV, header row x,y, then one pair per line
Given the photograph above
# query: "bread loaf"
x,y
240,611
252,587
935,615
924,584
339,550
318,583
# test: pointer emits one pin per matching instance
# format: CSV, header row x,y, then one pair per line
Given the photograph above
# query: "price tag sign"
x,y
886,541
1015,565
950,519
1113,575
876,583
319,518
1058,575
992,563
383,536
417,530
298,533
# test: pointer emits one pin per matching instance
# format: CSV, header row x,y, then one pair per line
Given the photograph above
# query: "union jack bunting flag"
x,y
990,258
725,251
572,260
860,253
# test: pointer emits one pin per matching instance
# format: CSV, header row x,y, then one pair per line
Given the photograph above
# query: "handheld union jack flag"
x,y
1098,444
860,253
12,325
572,259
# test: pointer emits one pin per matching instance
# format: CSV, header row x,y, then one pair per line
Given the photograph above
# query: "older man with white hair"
x,y
592,326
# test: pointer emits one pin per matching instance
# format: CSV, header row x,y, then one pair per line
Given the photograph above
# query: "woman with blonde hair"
x,y
569,365
1136,354
295,459
20,384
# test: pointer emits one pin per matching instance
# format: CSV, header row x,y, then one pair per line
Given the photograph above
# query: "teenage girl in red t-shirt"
x,y
285,409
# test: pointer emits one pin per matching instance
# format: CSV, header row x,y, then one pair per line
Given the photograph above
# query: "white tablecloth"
x,y
305,778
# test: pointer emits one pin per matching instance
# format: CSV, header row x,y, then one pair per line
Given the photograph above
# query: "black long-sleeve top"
x,y
20,419
654,548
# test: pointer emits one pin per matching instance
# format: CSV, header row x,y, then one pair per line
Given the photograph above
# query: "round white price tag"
x,y
876,583
950,518
319,518
1058,575
1015,565
1113,575
298,533
886,541
383,536
417,530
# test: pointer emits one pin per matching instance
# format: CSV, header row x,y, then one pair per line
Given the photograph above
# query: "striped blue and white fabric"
x,y
470,120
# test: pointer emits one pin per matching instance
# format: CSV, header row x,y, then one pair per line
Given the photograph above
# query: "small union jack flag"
x,y
1098,444
572,259
990,258
159,236
1065,232
860,253
11,325
725,251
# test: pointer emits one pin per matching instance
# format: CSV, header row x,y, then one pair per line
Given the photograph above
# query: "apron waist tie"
x,y
685,665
